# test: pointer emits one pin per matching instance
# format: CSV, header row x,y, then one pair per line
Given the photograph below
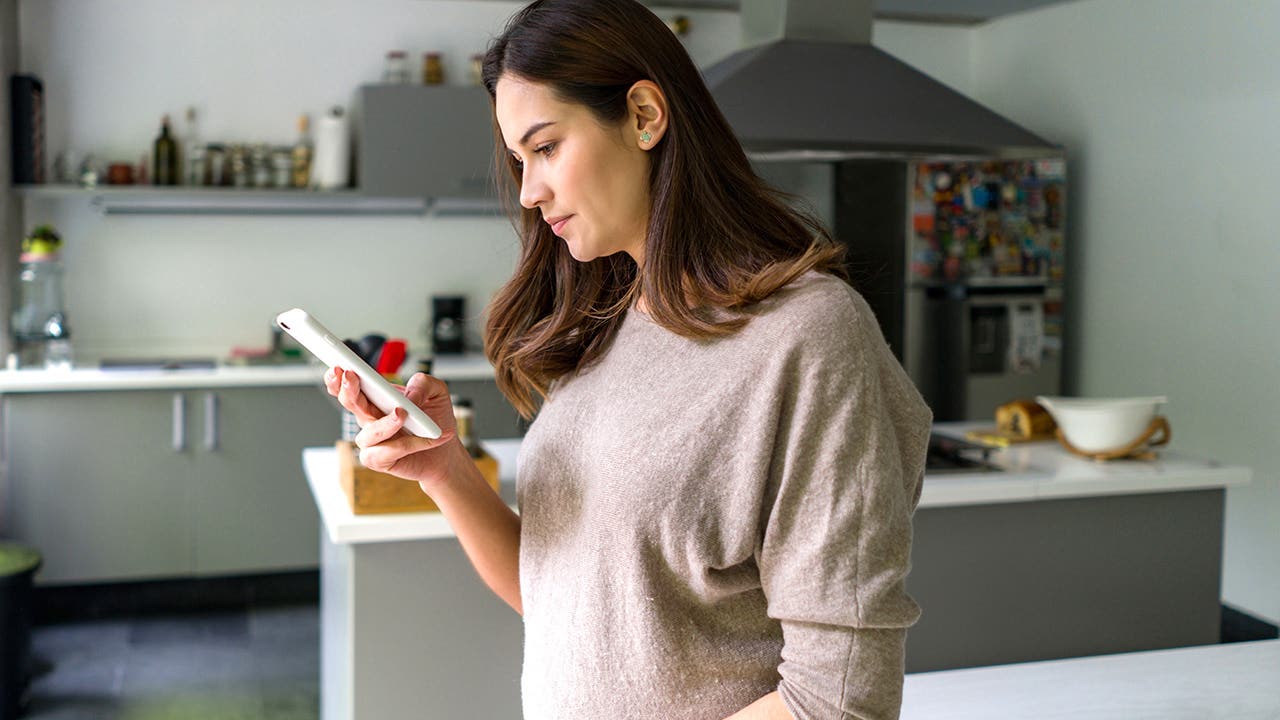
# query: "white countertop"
x,y
472,366
1034,471
344,526
1044,471
1240,681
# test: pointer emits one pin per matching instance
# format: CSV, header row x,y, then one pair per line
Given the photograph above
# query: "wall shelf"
x,y
152,200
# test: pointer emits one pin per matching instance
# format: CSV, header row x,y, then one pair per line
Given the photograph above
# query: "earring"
x,y
645,136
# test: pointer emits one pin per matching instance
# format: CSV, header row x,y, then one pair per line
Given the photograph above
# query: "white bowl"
x,y
1102,424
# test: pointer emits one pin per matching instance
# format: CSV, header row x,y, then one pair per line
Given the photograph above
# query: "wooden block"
x,y
369,491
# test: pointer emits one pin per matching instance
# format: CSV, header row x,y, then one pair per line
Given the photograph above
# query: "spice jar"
x,y
216,160
120,173
261,163
238,159
281,167
477,69
432,69
196,166
396,69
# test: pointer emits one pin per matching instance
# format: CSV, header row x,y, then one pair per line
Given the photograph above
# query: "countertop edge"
x,y
13,382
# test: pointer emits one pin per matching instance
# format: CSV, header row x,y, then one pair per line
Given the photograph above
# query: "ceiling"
x,y
952,11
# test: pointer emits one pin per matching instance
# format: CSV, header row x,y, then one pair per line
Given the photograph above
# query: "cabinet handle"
x,y
179,422
211,422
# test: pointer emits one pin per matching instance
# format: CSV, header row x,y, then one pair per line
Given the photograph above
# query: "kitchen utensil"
x,y
391,357
1104,426
369,347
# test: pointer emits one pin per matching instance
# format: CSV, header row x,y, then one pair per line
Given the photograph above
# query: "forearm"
x,y
769,707
488,530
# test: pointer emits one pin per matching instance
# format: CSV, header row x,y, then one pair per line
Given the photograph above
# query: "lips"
x,y
557,223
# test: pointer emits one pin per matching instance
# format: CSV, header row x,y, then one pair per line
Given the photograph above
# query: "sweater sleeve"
x,y
835,546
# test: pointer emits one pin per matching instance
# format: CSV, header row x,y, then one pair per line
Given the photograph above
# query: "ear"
x,y
647,111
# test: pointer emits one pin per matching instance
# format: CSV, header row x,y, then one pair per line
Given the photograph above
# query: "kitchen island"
x,y
407,628
1236,681
1052,556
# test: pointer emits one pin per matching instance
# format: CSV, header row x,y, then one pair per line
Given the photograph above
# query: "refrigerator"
x,y
963,264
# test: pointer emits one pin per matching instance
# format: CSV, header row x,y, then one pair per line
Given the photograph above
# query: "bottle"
x,y
191,152
40,332
165,156
464,416
302,153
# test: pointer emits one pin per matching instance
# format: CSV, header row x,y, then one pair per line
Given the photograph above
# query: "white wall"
x,y
187,285
1168,112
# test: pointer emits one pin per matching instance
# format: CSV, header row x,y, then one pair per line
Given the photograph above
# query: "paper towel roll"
x,y
331,167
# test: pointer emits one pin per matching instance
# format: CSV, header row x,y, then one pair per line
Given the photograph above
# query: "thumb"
x,y
421,388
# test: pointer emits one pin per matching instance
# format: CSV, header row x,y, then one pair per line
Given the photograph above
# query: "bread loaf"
x,y
1024,418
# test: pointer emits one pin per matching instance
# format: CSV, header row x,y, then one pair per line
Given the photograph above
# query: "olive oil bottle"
x,y
165,156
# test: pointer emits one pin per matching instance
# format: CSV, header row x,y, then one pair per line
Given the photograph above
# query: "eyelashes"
x,y
545,150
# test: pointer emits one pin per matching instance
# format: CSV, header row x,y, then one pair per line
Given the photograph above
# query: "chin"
x,y
579,253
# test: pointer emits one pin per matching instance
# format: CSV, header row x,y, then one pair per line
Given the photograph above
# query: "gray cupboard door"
x,y
100,482
252,510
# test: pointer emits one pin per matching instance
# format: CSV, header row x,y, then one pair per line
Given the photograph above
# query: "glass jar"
x,y
195,166
432,69
396,69
238,159
216,160
282,167
261,164
39,323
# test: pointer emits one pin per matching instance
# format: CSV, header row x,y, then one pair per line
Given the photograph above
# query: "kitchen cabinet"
x,y
125,485
248,511
432,141
96,486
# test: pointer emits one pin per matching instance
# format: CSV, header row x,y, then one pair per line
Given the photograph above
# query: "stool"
x,y
18,565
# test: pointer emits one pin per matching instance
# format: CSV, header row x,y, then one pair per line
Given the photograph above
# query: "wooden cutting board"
x,y
996,437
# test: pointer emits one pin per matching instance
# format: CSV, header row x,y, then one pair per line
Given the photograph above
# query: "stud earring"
x,y
645,136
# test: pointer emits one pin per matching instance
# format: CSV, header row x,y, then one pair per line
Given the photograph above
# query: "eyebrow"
x,y
524,139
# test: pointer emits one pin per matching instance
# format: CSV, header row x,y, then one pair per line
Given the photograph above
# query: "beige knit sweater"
x,y
704,522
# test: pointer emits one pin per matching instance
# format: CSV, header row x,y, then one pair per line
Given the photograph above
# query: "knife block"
x,y
371,492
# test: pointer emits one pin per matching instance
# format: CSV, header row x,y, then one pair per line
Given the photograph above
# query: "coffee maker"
x,y
448,324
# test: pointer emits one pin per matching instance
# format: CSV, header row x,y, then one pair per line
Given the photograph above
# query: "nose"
x,y
533,190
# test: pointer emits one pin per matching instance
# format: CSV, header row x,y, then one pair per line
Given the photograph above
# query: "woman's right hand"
x,y
384,445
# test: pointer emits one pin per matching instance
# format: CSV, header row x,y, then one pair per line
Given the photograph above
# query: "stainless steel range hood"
x,y
810,86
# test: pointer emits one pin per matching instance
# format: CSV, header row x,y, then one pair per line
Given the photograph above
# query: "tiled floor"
x,y
246,665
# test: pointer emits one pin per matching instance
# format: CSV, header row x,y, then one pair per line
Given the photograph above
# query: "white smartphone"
x,y
334,353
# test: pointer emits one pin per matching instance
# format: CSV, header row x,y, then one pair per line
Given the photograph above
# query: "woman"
x,y
716,494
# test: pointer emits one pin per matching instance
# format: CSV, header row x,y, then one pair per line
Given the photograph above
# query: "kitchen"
x,y
1162,299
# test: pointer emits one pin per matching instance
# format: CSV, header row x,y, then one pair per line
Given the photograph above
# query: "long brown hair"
x,y
718,236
